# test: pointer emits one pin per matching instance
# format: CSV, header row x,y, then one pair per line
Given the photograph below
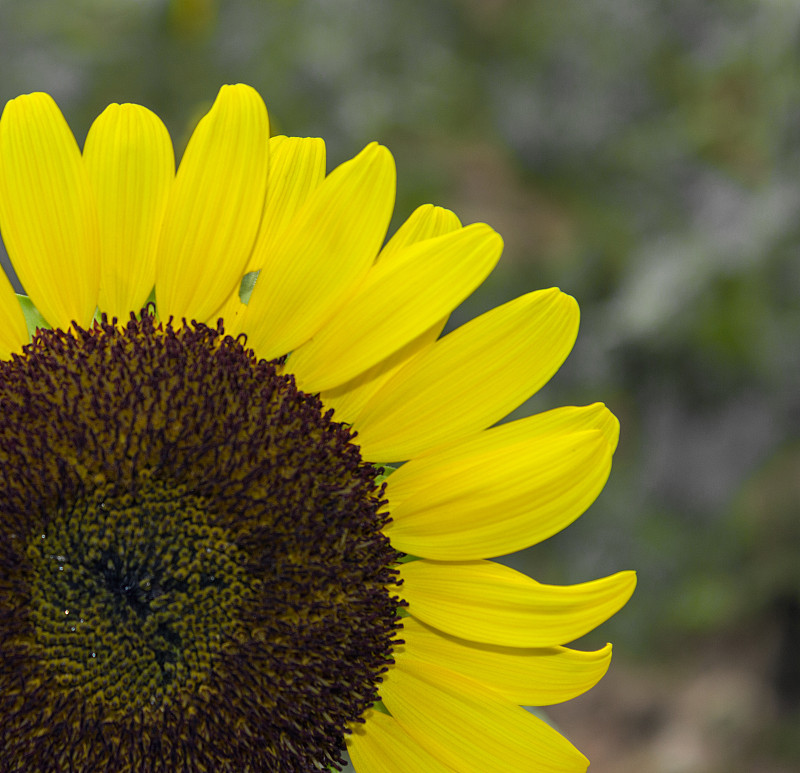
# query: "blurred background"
x,y
645,157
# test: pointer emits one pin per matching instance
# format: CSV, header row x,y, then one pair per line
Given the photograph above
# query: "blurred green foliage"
x,y
642,155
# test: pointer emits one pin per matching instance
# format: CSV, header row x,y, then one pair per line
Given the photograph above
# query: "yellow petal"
x,y
131,166
425,222
380,745
231,313
503,490
296,168
349,399
558,421
528,676
400,299
471,378
326,252
47,211
471,727
215,207
13,330
487,602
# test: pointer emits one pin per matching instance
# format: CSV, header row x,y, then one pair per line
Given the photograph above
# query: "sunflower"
x,y
248,488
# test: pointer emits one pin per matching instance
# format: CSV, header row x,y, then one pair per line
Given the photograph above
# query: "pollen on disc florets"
x,y
192,571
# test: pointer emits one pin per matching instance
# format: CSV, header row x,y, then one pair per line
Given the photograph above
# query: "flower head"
x,y
206,561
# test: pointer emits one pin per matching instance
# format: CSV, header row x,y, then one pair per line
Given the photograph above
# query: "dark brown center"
x,y
192,570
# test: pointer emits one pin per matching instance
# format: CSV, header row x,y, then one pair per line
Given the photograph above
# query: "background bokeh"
x,y
645,157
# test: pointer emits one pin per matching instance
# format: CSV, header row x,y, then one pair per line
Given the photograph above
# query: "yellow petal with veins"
x,y
504,489
129,158
471,378
328,250
349,399
13,330
297,167
215,207
47,211
487,602
527,676
469,726
399,300
426,222
380,745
